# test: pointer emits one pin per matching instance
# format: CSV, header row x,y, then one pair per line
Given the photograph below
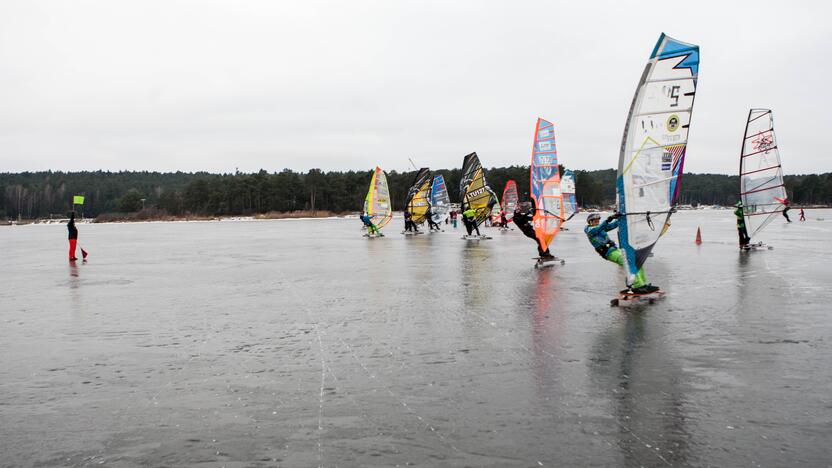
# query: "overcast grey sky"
x,y
213,85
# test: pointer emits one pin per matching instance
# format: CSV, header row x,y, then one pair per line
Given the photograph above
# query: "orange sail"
x,y
545,184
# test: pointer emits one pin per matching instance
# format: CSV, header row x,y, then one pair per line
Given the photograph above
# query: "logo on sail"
x,y
762,143
476,192
667,160
672,123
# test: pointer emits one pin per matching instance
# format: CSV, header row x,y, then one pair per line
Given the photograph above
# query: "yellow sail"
x,y
478,196
377,203
418,196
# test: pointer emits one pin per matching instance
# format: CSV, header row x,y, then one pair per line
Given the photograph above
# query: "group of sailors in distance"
x,y
648,180
523,217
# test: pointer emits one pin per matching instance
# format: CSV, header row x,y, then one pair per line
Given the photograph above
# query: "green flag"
x,y
78,200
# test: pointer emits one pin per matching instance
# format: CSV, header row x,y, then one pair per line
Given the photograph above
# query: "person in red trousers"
x,y
73,237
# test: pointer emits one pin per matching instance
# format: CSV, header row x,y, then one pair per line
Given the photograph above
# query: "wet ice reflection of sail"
x,y
653,147
377,203
545,184
761,177
440,202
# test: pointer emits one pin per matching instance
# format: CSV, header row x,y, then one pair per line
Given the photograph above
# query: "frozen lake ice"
x,y
300,343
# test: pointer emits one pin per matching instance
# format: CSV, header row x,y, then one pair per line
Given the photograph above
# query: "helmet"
x,y
593,217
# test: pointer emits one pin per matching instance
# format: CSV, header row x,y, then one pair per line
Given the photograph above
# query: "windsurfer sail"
x,y
474,192
417,202
509,200
440,202
761,177
567,187
653,148
377,204
545,184
495,214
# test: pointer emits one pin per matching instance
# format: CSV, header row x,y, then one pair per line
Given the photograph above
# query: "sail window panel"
x,y
650,175
643,232
668,96
659,130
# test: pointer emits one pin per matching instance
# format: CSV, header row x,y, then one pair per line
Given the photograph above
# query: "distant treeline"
x,y
44,194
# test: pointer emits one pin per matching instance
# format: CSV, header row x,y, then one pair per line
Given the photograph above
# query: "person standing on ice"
x,y
523,216
596,232
503,219
743,233
469,221
408,224
73,236
802,215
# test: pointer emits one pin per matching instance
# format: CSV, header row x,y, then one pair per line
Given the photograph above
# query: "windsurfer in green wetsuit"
x,y
368,223
596,232
743,233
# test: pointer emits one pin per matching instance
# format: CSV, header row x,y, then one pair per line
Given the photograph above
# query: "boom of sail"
x,y
545,184
761,177
377,203
474,192
417,202
653,148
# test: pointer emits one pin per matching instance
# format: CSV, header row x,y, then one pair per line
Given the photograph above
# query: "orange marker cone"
x,y
698,237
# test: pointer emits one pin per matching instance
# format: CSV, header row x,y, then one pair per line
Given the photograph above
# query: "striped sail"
x,y
417,197
440,202
495,213
653,148
567,186
510,199
761,176
377,203
474,192
545,184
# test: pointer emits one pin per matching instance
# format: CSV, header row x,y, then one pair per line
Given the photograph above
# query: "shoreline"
x,y
124,219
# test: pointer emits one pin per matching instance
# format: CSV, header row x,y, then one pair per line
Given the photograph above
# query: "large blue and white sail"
x,y
440,202
653,148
